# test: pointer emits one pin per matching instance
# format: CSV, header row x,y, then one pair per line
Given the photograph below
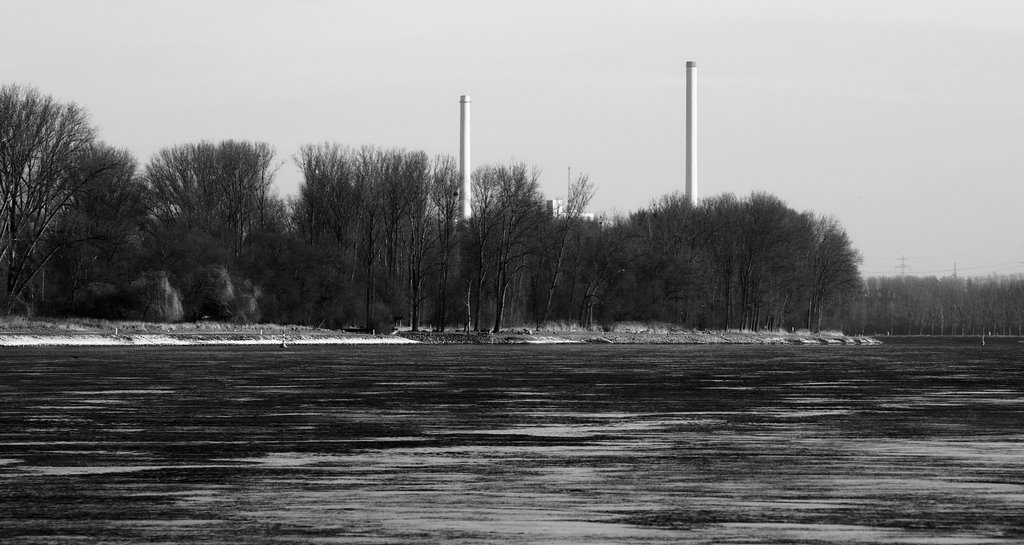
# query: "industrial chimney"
x,y
464,167
691,138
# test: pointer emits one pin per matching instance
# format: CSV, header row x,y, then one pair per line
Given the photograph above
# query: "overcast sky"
x,y
903,119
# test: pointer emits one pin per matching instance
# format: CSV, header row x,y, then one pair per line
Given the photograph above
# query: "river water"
x,y
909,442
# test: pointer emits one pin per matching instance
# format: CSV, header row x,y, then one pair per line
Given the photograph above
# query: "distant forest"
x,y
910,305
374,238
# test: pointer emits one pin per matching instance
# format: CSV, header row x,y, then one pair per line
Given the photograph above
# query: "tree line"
x,y
910,305
374,238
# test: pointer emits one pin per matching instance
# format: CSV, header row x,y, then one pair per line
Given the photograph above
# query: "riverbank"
x,y
195,339
638,337
20,332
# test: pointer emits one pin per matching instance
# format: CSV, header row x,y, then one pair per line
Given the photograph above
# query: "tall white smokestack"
x,y
691,130
464,166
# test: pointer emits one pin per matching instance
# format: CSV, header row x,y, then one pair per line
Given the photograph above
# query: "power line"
x,y
1009,266
1001,251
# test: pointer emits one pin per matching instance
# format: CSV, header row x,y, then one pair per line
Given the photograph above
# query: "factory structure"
x,y
465,169
691,133
557,207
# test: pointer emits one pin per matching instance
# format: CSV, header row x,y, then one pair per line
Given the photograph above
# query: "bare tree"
x,y
220,189
369,225
513,216
246,176
325,202
580,194
418,230
325,214
99,237
607,253
478,242
444,194
48,155
834,264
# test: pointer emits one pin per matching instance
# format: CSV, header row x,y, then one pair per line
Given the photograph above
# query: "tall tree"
x,y
514,218
369,194
324,214
100,237
834,269
325,200
562,227
418,231
444,196
222,190
48,156
607,253
478,243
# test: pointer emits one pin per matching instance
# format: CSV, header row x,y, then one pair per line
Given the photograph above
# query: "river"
x,y
914,441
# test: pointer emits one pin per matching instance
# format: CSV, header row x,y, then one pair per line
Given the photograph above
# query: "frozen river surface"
x,y
901,443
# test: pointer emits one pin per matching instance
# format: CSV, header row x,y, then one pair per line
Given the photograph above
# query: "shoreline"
x,y
194,339
284,338
639,337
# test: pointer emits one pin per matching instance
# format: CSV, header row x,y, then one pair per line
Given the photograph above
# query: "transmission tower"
x,y
902,267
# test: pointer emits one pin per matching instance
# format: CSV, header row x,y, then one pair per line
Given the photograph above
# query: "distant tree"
x,y
417,231
773,242
911,305
478,242
48,156
222,190
444,197
378,214
325,204
371,169
834,269
374,235
210,204
663,278
718,225
325,213
512,210
100,237
268,268
607,254
750,263
560,231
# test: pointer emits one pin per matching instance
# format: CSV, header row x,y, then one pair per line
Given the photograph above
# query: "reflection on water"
x,y
911,443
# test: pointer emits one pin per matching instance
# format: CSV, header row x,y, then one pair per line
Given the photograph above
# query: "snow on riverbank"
x,y
339,338
26,339
674,337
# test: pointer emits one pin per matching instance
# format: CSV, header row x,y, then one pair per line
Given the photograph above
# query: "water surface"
x,y
909,443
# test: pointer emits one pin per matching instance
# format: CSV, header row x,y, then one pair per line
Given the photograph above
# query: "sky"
x,y
903,120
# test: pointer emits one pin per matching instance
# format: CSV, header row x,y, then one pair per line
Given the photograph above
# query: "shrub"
x,y
160,302
246,304
107,301
213,294
210,295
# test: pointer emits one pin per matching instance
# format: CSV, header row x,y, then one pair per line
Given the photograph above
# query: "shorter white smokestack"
x,y
691,133
464,165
